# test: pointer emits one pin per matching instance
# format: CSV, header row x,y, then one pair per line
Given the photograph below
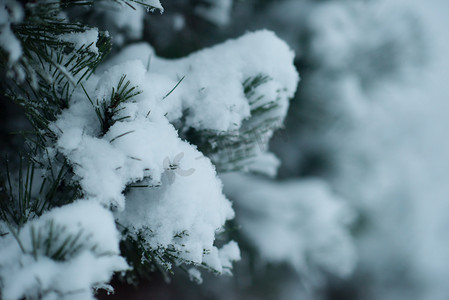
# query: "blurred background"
x,y
359,208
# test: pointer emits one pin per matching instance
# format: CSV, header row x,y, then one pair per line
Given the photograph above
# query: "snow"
x,y
340,37
123,21
175,198
373,110
154,3
299,222
212,88
192,204
211,97
138,171
384,138
195,275
82,39
11,12
90,261
216,11
228,254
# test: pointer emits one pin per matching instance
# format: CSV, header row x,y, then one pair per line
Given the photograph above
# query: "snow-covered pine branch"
x,y
130,141
124,168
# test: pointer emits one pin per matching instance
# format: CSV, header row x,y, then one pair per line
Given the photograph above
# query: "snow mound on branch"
x,y
189,199
82,39
153,3
173,196
64,254
212,93
233,95
172,187
299,222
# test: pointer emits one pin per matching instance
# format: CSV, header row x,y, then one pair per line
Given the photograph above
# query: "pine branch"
x,y
146,259
108,109
25,196
53,241
231,151
50,67
145,5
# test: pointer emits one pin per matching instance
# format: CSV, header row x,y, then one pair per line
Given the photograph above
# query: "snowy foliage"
x,y
130,151
129,162
64,254
299,222
82,39
182,214
369,122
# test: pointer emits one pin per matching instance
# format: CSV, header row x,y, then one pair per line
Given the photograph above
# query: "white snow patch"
x,y
10,12
298,221
36,269
82,39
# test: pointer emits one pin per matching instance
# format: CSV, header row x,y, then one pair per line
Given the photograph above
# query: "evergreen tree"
x,y
115,153
143,142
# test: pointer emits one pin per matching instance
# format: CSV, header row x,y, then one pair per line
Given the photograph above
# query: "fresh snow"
x,y
29,269
179,205
141,174
299,222
212,89
10,12
86,38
